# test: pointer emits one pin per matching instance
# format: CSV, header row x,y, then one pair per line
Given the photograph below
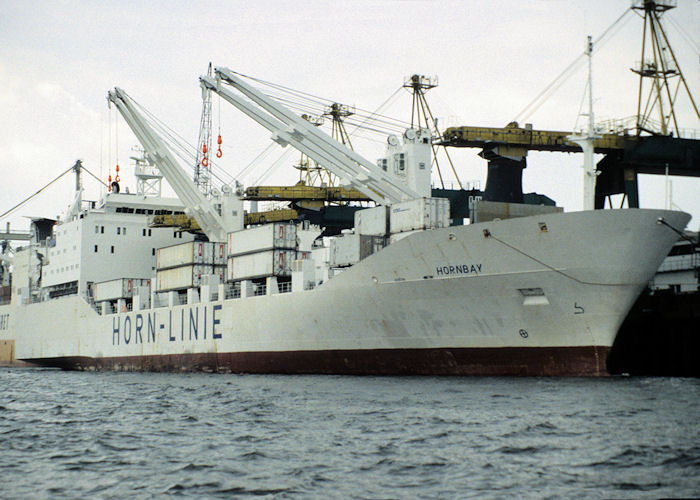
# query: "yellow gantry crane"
x,y
650,146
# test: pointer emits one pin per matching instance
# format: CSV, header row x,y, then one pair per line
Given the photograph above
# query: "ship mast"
x,y
586,140
309,174
660,67
422,116
338,113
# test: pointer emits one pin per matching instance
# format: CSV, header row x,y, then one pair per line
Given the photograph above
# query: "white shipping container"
x,y
220,272
261,264
183,254
120,288
219,250
216,276
345,250
422,213
280,235
178,278
349,249
372,221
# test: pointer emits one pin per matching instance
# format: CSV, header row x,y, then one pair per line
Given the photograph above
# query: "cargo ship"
x,y
404,292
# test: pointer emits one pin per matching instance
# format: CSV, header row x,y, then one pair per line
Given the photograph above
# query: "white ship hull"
x,y
542,295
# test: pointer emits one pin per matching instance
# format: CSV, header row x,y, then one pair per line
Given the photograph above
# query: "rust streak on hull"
x,y
533,361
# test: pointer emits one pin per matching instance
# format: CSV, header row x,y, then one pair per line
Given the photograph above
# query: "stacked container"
x,y
349,249
262,251
372,221
182,266
120,288
421,213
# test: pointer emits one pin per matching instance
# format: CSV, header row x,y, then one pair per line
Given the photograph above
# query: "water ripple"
x,y
131,435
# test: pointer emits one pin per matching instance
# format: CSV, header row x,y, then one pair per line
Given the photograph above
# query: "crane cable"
x,y
34,195
535,104
94,176
359,126
179,145
300,96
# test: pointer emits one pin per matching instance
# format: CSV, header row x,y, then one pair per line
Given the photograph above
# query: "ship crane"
x,y
202,167
288,128
209,219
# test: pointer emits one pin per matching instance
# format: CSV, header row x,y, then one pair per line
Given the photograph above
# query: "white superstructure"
x,y
112,241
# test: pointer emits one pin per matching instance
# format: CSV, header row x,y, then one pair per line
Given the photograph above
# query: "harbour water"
x,y
146,435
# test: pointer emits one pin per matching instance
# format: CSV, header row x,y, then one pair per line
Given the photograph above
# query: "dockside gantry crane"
x,y
647,147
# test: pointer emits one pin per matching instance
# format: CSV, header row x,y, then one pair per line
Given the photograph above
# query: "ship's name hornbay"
x,y
447,269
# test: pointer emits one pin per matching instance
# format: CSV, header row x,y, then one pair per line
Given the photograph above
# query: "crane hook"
x,y
219,153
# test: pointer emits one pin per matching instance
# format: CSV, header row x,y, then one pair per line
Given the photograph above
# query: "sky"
x,y
59,58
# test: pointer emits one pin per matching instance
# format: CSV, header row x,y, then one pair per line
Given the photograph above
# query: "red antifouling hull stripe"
x,y
510,361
